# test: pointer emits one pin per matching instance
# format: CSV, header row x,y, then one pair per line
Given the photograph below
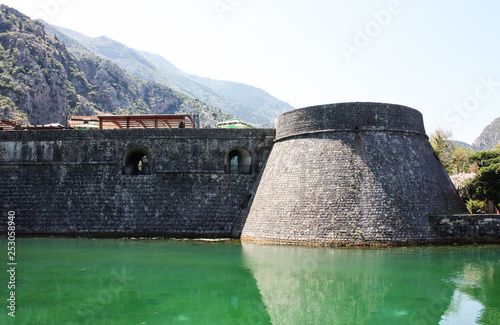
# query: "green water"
x,y
85,281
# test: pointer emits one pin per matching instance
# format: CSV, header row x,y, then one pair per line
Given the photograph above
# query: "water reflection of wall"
x,y
301,285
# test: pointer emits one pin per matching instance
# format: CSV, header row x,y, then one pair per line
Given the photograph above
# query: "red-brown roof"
x,y
75,120
151,121
7,125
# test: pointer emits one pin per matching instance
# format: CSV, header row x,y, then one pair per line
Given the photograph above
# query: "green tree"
x,y
486,185
455,159
476,206
460,160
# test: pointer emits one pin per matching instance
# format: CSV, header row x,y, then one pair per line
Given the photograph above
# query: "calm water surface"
x,y
85,281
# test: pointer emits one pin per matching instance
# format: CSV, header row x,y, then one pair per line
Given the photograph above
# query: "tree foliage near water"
x,y
455,159
476,206
482,184
486,184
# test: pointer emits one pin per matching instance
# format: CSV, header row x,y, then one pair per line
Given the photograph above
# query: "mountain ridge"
x,y
249,103
42,82
489,137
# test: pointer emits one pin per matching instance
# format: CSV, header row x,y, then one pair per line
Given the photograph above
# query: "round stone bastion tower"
x,y
350,174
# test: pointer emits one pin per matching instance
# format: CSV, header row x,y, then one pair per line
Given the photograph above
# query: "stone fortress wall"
x,y
340,174
80,182
351,173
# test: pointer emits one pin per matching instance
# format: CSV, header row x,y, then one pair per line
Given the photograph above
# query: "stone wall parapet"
x,y
349,117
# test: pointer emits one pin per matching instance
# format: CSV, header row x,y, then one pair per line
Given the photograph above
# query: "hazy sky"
x,y
441,57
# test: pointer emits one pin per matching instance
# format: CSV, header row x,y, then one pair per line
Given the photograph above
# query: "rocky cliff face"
x,y
489,138
42,82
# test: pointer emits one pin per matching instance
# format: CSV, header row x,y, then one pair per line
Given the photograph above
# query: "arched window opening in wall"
x,y
234,162
238,161
137,161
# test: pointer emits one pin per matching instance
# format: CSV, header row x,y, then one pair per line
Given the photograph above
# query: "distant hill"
x,y
461,144
489,138
249,103
42,82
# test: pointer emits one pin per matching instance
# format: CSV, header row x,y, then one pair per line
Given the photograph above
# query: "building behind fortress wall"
x,y
130,182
